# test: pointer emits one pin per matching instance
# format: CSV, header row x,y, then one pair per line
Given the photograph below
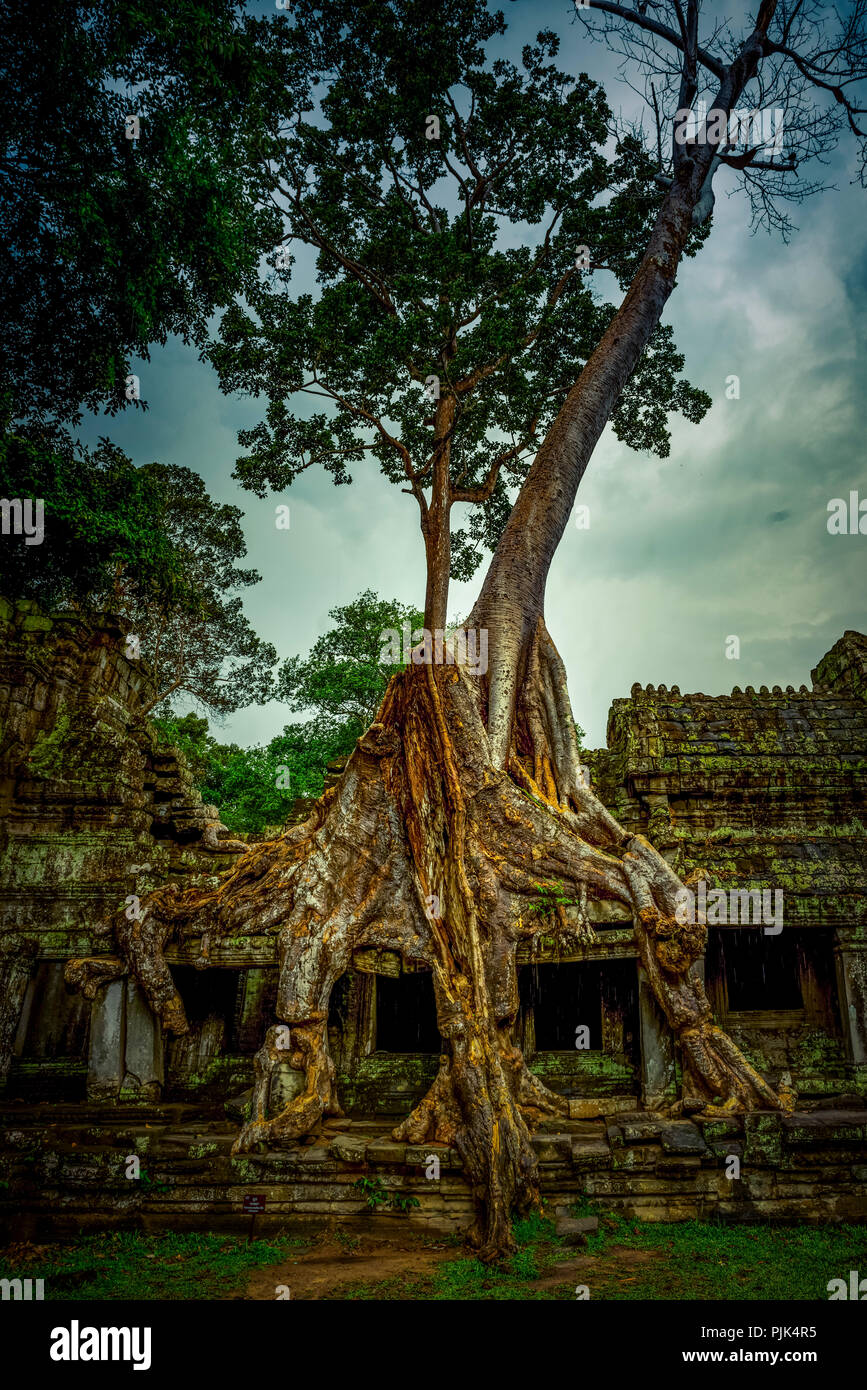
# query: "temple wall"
x,y
765,790
92,809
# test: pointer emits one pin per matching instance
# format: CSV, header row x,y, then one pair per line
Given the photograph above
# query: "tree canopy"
x,y
343,677
451,203
108,244
148,544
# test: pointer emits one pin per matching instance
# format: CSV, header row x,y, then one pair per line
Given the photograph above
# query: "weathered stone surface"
x,y
286,1084
238,1109
591,1153
584,1109
62,1172
106,1066
575,1230
349,1148
386,1151
143,1053
552,1148
762,1138
640,1131
681,1137
16,962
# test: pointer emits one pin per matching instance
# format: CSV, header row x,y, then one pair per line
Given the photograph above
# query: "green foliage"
x,y
49,750
148,544
552,897
451,258
404,1204
530,1230
376,1195
343,678
151,1185
373,1191
255,787
342,681
127,1265
109,244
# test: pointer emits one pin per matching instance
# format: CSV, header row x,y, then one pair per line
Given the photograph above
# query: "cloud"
x,y
680,553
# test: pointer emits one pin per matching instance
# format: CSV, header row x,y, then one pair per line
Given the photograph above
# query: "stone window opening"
x,y
556,999
750,975
406,1020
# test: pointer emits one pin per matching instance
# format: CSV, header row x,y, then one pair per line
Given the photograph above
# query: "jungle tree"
x,y
148,545
113,237
464,801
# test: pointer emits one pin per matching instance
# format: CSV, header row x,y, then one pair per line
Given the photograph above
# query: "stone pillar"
x,y
286,1084
106,1061
253,1019
657,1047
16,960
144,1068
850,956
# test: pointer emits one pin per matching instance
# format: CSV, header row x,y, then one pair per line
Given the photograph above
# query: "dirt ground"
x,y
328,1271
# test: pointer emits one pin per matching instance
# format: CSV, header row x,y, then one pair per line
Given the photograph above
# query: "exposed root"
x,y
432,847
304,1047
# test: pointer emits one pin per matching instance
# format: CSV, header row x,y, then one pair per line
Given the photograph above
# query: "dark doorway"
x,y
760,972
208,993
563,998
406,1016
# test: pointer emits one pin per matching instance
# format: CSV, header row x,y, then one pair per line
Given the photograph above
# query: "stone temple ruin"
x,y
764,789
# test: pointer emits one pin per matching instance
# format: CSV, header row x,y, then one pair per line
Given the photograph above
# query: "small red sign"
x,y
254,1202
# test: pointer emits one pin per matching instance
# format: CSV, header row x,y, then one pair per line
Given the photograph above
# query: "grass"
x,y
690,1260
625,1260
708,1261
129,1265
467,1280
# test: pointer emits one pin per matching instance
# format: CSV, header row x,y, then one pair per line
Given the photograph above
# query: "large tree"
x,y
149,545
464,802
451,209
114,235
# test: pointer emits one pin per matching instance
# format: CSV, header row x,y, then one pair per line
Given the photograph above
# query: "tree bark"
x,y
428,848
436,520
462,808
512,598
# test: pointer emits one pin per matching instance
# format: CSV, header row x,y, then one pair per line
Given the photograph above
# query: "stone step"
x,y
574,1230
591,1153
552,1148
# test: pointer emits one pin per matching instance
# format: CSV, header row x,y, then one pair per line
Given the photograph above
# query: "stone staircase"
x,y
67,1168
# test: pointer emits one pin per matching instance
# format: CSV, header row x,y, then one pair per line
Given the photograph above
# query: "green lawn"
x,y
683,1260
625,1260
129,1265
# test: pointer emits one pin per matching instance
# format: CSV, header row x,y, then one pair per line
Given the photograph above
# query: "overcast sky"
x,y
728,536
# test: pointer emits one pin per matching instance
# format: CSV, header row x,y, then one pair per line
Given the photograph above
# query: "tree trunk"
x,y
436,520
461,808
428,848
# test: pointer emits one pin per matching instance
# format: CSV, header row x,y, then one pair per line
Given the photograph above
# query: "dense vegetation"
x,y
341,681
148,544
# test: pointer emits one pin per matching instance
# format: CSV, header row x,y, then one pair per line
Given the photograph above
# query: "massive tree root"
x,y
429,847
